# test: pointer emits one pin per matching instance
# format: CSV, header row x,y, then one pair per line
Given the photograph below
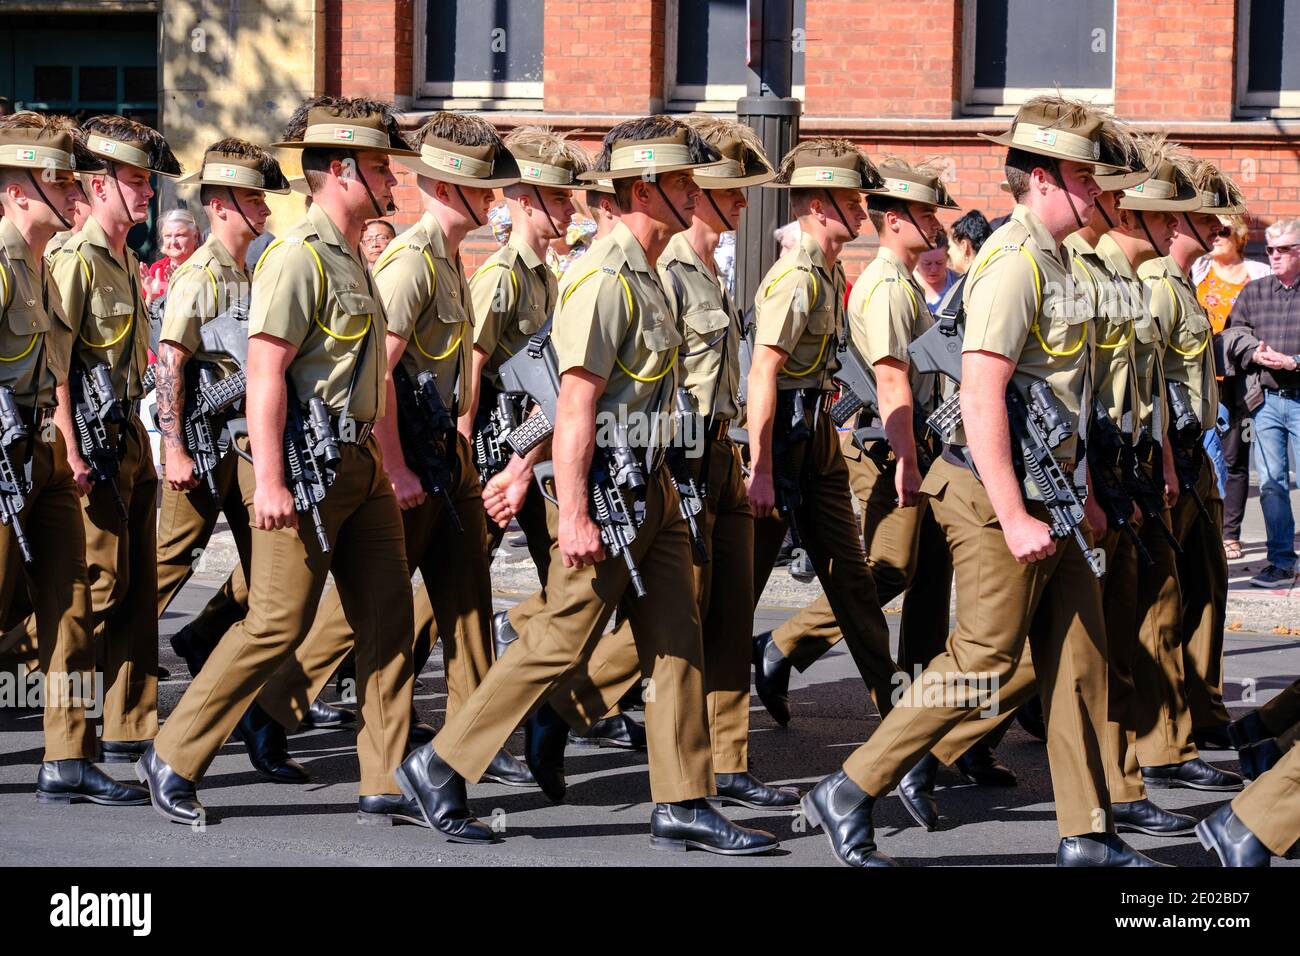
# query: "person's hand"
x,y
407,487
273,508
907,484
762,494
580,543
504,495
179,470
81,473
1269,358
1172,491
1028,539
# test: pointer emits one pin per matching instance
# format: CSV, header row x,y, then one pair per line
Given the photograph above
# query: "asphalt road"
x,y
604,821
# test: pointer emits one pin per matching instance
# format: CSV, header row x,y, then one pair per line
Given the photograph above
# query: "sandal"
x,y
1232,549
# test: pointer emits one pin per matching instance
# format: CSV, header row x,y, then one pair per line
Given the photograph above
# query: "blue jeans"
x,y
1214,446
1277,425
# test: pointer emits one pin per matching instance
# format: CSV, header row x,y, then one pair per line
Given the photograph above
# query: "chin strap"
x,y
240,209
1105,218
112,173
379,214
669,203
1187,218
929,245
465,202
838,212
46,200
1060,181
708,194
541,204
1142,221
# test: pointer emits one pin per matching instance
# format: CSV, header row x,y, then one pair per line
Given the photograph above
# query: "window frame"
x,y
695,97
468,94
1006,101
1280,104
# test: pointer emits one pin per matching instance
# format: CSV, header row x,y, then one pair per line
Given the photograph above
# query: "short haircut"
x,y
1283,227
381,222
182,216
879,206
972,227
1019,166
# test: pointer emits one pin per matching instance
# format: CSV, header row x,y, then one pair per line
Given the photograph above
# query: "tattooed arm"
x,y
169,391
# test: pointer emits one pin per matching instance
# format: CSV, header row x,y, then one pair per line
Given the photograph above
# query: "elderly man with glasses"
x,y
1262,341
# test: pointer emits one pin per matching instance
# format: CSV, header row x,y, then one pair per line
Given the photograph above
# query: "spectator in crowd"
x,y
1262,342
967,235
787,237
1219,276
932,272
178,237
375,237
578,236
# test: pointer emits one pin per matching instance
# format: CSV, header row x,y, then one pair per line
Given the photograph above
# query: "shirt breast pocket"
x,y
1064,327
706,321
351,316
22,324
659,334
531,318
111,312
821,320
1144,329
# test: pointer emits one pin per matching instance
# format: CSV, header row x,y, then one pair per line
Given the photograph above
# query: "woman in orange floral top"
x,y
1219,277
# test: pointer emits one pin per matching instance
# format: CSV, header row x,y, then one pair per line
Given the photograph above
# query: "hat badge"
x,y
26,155
452,161
1046,137
343,132
825,175
532,172
644,155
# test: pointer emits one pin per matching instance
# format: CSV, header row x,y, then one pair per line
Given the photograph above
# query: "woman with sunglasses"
x,y
1219,276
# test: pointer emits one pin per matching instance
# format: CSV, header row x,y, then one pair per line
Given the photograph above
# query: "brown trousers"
x,y
1126,708
457,591
56,586
555,640
1203,571
1270,806
898,542
834,543
999,601
288,572
1282,712
723,589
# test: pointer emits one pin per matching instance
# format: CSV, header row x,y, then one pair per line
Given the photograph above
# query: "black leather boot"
x,y
388,809
618,731
1143,816
694,825
507,770
68,781
439,791
980,766
192,649
321,715
268,747
1100,849
843,810
545,735
123,751
1258,759
421,732
916,790
503,633
745,790
772,678
1223,833
171,794
1194,774
1249,730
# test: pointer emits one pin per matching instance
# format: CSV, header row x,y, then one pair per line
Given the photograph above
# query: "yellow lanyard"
x,y
85,266
821,351
1190,353
320,299
514,280
433,297
627,292
6,301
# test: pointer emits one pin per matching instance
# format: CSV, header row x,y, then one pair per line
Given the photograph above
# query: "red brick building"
x,y
920,78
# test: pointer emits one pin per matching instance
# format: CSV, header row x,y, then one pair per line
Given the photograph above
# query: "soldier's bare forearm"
x,y
169,393
761,412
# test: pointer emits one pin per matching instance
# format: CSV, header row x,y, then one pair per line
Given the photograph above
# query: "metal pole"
x,y
770,110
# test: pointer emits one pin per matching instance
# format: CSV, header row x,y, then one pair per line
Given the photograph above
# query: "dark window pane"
x,y
711,41
1272,33
140,84
483,40
1031,44
98,83
52,83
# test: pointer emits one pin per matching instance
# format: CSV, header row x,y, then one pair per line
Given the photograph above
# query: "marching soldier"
x,y
799,322
316,334
1261,823
99,283
1012,578
421,280
42,546
616,347
1197,518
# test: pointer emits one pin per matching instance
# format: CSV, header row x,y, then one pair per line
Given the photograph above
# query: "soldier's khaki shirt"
x,y
59,240
1020,304
1188,354
614,320
427,301
105,307
207,284
312,290
1115,301
35,338
710,358
887,311
514,293
799,309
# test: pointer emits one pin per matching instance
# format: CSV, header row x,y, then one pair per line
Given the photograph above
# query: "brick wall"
x,y
885,74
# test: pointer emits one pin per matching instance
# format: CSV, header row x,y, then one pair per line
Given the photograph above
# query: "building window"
x,y
476,55
1268,80
705,53
1013,50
